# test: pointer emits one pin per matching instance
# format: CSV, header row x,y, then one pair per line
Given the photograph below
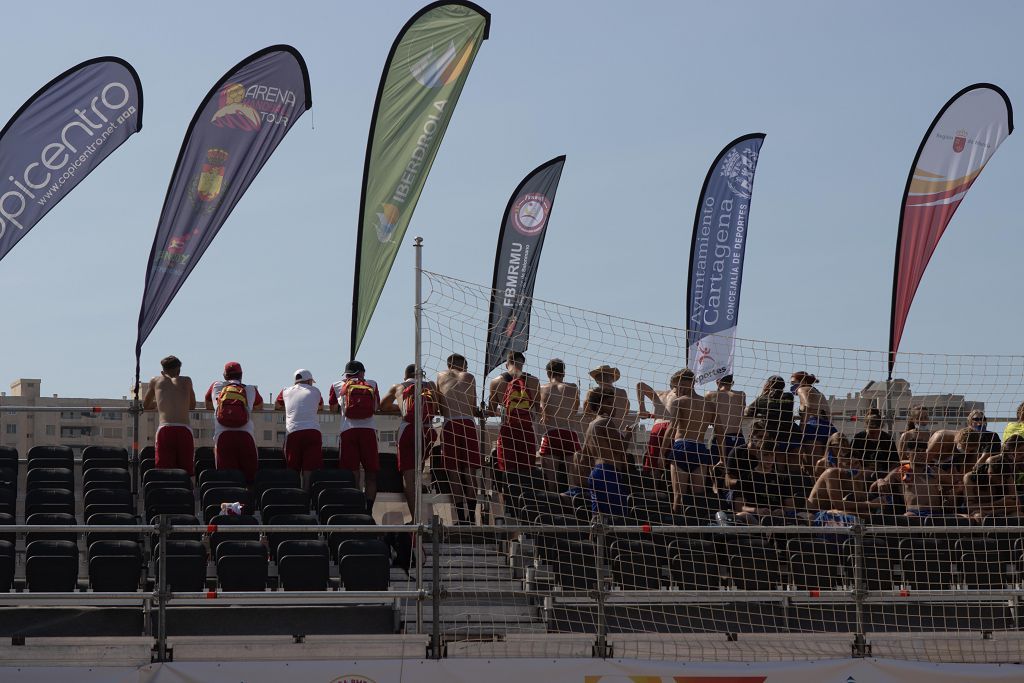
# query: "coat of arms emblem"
x,y
738,170
959,140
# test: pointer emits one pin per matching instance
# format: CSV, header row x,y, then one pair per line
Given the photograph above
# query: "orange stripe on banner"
x,y
720,679
918,186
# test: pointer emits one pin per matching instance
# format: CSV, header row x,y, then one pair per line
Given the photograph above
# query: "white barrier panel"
x,y
520,670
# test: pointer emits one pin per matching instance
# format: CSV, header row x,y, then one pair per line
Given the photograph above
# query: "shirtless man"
x,y
991,486
517,392
919,480
844,477
559,416
604,458
605,377
171,395
691,416
729,407
815,415
657,441
460,443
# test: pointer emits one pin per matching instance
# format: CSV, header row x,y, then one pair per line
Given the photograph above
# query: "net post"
x,y
417,513
601,646
136,410
860,648
162,592
435,593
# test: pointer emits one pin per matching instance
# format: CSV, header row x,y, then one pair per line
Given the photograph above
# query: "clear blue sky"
x,y
640,96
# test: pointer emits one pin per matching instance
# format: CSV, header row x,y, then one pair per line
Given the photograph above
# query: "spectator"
x,y
1015,428
402,398
460,443
233,432
658,441
356,400
919,422
774,407
990,442
603,447
763,491
992,484
559,416
172,396
917,481
837,446
843,485
873,447
605,376
815,415
303,443
729,405
692,415
516,391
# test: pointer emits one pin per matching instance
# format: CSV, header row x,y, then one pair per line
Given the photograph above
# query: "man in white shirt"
x,y
357,399
234,444
303,444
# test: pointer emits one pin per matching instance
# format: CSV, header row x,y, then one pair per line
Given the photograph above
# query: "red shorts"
x,y
303,450
517,443
460,445
358,446
175,448
560,444
657,443
407,445
236,451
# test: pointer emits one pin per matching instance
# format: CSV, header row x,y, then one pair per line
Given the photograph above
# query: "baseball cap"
x,y
232,368
303,376
354,367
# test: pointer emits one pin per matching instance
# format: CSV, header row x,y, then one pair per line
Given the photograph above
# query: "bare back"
x,y
559,405
729,407
172,397
620,406
458,394
813,404
602,441
691,416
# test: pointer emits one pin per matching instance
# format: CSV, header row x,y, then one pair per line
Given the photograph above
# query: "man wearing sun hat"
x,y
303,443
605,376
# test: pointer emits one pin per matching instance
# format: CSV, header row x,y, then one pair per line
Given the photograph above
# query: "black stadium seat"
x,y
50,478
330,479
217,537
214,496
170,501
165,478
115,566
303,565
112,519
270,458
333,501
695,564
108,500
9,536
275,479
186,566
51,519
9,478
106,478
9,458
282,501
61,454
51,566
335,538
204,460
330,457
49,500
219,478
755,565
275,538
104,453
242,566
370,572
8,501
6,566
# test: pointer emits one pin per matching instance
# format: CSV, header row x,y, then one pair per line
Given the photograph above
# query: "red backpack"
x,y
360,399
427,401
233,406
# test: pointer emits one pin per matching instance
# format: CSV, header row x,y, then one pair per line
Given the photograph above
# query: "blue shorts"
x,y
689,455
921,512
817,430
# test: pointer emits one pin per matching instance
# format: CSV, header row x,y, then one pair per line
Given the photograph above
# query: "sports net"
x,y
738,548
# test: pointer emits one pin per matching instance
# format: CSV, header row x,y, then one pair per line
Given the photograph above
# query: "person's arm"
x,y
388,403
191,395
258,403
884,485
644,391
279,401
208,399
333,403
533,385
497,384
149,402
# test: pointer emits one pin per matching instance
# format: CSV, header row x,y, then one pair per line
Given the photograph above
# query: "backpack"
x,y
517,396
233,406
360,399
426,401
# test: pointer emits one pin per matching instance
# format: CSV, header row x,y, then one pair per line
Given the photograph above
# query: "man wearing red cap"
x,y
234,443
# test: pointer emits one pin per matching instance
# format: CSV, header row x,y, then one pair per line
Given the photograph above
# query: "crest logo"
x,y
530,214
353,678
233,111
959,140
435,71
176,255
205,189
387,222
738,171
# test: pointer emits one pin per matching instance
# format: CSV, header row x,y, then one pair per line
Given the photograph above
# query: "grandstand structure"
x,y
100,550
